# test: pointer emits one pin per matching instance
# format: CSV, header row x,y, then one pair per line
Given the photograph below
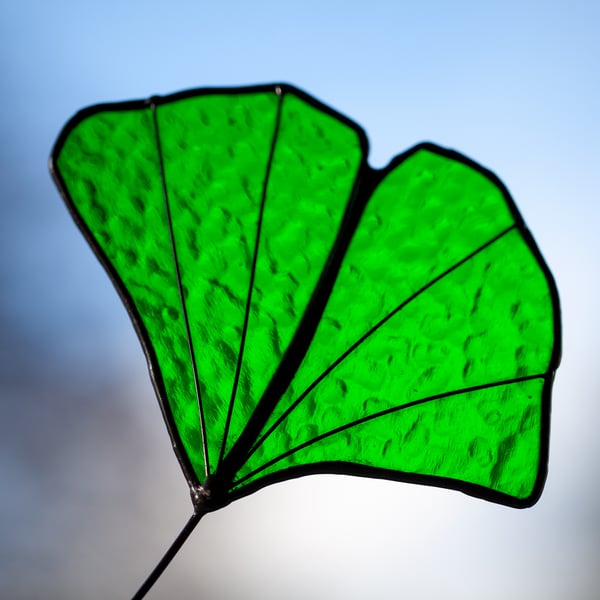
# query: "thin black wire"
x,y
181,294
238,368
370,332
169,555
384,413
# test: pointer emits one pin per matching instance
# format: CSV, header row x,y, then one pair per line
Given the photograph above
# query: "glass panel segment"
x,y
110,167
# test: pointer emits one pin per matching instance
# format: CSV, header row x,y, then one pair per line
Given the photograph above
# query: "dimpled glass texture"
x,y
303,313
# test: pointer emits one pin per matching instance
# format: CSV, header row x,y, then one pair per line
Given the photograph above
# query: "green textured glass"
x,y
304,313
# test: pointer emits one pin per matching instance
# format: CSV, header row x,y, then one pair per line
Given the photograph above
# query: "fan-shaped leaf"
x,y
302,312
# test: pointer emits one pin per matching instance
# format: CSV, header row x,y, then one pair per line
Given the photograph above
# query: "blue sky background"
x,y
90,491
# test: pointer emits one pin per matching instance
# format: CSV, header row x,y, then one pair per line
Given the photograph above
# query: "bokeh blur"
x,y
91,494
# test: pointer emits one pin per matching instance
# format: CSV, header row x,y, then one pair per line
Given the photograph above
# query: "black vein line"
x,y
361,190
370,332
238,368
387,412
181,294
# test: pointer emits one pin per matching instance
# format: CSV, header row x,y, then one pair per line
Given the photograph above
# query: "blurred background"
x,y
91,493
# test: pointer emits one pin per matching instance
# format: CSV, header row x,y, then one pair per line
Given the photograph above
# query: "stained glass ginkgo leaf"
x,y
302,312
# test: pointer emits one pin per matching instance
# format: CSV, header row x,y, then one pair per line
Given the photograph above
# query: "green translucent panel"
x,y
110,167
428,214
486,321
488,437
405,316
215,153
315,162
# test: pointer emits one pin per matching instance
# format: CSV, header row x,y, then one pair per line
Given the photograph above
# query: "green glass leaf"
x,y
304,313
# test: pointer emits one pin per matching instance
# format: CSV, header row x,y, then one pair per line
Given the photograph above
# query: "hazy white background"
x,y
90,491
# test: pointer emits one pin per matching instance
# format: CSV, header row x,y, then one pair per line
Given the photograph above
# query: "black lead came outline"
x,y
366,180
